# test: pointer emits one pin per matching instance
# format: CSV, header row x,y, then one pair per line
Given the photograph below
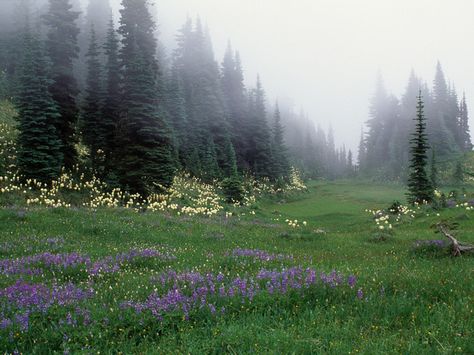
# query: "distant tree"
x,y
39,148
443,128
62,48
281,164
146,153
464,130
235,100
420,188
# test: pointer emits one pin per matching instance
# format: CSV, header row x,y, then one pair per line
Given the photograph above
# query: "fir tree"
x,y
146,150
62,49
434,170
259,153
93,131
281,165
464,131
111,103
458,174
420,188
39,149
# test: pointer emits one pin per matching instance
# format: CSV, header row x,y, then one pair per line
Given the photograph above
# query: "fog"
x,y
325,54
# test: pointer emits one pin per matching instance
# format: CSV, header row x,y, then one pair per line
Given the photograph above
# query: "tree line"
x,y
81,84
384,149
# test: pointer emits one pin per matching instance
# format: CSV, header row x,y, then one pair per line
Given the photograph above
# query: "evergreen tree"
x,y
111,103
205,109
93,131
62,49
234,94
420,188
458,174
434,170
443,124
362,151
259,153
464,131
39,149
281,165
146,151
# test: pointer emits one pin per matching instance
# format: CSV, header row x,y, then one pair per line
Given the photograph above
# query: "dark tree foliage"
x,y
420,188
39,146
111,103
434,170
92,123
205,111
235,99
62,49
281,165
259,150
146,152
464,131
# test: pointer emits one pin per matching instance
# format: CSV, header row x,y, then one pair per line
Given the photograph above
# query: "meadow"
x,y
313,272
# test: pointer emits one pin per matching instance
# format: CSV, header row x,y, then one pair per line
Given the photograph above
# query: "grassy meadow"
x,y
303,275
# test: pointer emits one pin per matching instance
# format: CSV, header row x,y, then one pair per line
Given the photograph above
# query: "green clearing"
x,y
416,303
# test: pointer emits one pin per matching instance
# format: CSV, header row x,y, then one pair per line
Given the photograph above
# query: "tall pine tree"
x,y
62,49
420,188
39,147
146,152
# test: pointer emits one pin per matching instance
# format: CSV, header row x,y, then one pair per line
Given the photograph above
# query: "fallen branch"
x,y
458,247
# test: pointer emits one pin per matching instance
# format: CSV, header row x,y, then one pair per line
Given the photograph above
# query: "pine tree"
x,y
146,151
281,165
458,174
62,49
464,131
259,153
434,170
111,103
39,149
420,188
234,94
93,131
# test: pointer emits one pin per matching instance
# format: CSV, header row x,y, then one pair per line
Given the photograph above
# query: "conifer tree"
x,y
62,49
464,130
420,188
111,103
93,131
259,153
146,151
39,147
281,165
234,94
434,170
458,174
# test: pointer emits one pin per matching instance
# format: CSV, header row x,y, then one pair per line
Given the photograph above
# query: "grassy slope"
x,y
427,306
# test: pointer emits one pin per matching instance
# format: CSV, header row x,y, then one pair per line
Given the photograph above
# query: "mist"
x,y
325,55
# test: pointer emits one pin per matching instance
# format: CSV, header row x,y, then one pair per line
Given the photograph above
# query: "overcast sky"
x,y
325,53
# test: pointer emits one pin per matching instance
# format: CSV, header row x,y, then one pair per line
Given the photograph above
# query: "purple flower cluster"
x,y
259,255
33,265
36,264
111,264
184,292
22,299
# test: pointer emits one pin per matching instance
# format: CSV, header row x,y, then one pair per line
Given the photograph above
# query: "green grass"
x,y
415,303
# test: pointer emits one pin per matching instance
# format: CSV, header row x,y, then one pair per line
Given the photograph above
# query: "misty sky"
x,y
325,53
